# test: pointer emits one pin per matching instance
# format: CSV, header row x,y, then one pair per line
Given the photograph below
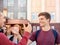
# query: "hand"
x,y
28,28
19,37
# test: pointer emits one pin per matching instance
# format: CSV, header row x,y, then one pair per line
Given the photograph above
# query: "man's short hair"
x,y
46,14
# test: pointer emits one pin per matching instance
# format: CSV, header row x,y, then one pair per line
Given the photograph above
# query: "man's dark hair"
x,y
46,14
6,19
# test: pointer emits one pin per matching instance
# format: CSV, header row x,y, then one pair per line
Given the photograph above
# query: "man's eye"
x,y
41,18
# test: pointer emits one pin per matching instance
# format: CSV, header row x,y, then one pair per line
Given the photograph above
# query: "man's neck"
x,y
46,28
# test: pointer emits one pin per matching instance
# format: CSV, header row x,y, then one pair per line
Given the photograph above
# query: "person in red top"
x,y
45,36
5,41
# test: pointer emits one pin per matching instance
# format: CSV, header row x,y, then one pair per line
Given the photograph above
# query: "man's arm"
x,y
24,40
28,29
5,41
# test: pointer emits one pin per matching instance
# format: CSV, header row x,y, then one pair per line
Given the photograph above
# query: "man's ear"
x,y
48,20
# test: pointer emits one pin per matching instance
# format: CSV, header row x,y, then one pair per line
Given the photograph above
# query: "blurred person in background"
x,y
14,30
8,32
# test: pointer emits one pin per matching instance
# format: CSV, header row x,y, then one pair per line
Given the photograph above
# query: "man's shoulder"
x,y
2,34
34,33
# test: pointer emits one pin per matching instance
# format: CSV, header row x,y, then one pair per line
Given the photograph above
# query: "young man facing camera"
x,y
46,35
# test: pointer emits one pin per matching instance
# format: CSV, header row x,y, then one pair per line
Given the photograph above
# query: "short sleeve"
x,y
32,37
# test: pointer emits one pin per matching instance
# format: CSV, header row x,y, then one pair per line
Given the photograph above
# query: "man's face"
x,y
2,20
43,21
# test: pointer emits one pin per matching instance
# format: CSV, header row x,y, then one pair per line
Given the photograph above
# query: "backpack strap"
x,y
37,32
55,34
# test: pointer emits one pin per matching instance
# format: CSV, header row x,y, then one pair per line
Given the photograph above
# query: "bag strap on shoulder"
x,y
37,34
55,34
